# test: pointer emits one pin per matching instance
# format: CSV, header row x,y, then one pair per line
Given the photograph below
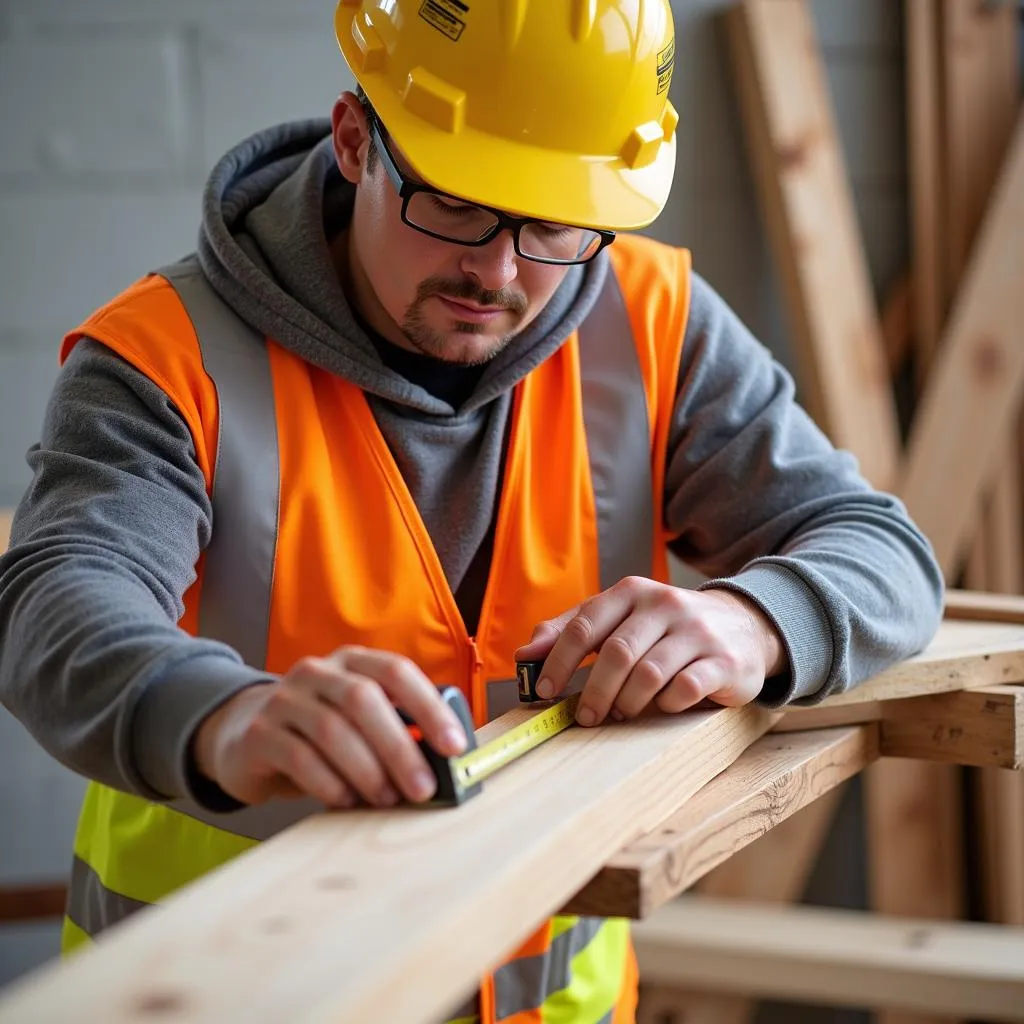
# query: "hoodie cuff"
x,y
798,615
165,720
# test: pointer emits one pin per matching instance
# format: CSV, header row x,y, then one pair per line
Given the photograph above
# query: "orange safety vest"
x,y
315,525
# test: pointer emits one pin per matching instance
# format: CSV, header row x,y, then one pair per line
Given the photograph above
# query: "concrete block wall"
x,y
112,112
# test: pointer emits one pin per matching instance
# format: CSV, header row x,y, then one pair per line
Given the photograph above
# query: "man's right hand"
x,y
329,730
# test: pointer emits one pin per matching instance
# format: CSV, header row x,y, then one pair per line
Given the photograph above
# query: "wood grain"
x,y
962,655
974,728
973,395
808,210
968,605
768,783
372,916
979,728
836,957
927,179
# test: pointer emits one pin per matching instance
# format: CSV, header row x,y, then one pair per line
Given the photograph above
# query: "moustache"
x,y
467,290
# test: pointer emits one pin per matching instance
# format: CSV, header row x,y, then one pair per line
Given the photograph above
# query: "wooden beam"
x,y
1001,824
766,785
981,79
973,396
927,180
977,728
31,902
969,605
812,226
809,753
962,656
897,323
369,916
836,957
981,728
661,1005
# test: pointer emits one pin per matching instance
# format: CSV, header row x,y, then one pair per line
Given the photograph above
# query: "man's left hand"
x,y
657,643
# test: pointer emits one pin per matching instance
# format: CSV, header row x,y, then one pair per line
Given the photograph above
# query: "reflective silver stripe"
x,y
234,606
91,905
618,437
524,983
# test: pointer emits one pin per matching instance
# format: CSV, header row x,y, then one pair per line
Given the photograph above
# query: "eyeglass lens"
x,y
464,222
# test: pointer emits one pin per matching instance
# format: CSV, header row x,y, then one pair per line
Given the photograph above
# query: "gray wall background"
x,y
111,113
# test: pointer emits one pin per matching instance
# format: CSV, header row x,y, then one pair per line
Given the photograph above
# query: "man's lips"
x,y
470,311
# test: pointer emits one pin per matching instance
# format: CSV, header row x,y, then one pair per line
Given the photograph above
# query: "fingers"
x,y
403,681
301,768
583,632
353,723
355,744
630,669
650,674
544,636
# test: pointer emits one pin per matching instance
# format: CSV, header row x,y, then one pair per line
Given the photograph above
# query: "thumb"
x,y
544,636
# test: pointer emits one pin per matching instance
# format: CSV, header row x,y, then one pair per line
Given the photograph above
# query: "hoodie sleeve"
x,y
762,503
103,547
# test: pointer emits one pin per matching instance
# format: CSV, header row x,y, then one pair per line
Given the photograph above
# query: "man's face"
x,y
457,303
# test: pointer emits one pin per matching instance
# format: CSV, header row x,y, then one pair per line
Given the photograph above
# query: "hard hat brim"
x,y
526,180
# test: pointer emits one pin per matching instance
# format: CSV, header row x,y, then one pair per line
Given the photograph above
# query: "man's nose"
x,y
495,264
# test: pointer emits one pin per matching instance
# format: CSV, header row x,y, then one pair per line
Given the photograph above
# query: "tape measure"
x,y
482,762
459,778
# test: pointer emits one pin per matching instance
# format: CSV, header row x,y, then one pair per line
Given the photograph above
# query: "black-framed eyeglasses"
x,y
451,219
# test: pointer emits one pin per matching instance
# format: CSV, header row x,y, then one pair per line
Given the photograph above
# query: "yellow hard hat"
x,y
555,109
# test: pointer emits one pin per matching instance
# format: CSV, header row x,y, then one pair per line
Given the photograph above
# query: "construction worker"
x,y
424,402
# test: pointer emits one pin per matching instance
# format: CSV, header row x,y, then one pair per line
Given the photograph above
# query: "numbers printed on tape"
x,y
479,764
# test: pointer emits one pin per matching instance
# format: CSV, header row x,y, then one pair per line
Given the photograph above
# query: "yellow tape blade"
x,y
483,762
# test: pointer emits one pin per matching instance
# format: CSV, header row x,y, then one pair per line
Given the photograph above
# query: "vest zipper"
x,y
476,687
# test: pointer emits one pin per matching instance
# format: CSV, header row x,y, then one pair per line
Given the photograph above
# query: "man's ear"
x,y
351,136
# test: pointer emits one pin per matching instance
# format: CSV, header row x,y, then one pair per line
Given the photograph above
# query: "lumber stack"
x,y
394,914
951,325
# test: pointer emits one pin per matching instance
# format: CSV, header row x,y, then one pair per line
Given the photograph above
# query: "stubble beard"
x,y
437,344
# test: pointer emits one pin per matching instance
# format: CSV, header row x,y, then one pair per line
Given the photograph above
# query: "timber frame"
x,y
342,916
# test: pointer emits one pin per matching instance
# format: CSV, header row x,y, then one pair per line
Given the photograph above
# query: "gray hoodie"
x,y
106,538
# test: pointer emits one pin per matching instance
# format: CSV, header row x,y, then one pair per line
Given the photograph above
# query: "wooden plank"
x,y
784,772
909,808
369,916
1001,824
31,902
660,1004
836,957
6,515
962,656
897,321
969,605
927,180
812,225
981,75
983,728
979,728
973,396
981,79
766,785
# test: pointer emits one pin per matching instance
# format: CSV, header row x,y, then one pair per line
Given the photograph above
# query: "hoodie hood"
x,y
271,206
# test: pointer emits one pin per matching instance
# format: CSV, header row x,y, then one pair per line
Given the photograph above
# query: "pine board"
x,y
373,916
